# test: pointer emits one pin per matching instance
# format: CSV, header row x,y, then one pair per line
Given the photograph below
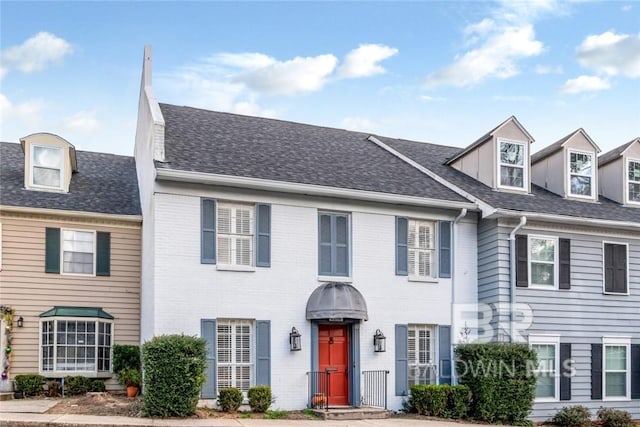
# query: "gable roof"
x,y
612,155
227,144
435,158
487,136
105,183
557,146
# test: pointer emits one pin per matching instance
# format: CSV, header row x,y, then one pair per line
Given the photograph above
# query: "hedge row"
x,y
440,400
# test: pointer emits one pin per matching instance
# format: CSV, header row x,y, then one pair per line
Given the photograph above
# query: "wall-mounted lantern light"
x,y
379,342
20,322
294,340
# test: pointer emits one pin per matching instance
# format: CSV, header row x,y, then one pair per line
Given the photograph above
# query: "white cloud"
x,y
298,75
519,12
626,8
35,53
363,61
82,122
428,98
548,69
27,112
360,124
611,54
495,58
514,98
584,84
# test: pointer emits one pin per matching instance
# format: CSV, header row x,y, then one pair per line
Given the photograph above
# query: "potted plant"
x,y
131,379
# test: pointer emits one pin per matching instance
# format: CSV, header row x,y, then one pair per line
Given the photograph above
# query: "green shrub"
x,y
29,384
230,399
259,398
458,401
130,377
500,379
572,416
610,417
77,384
174,367
126,357
276,415
97,386
440,400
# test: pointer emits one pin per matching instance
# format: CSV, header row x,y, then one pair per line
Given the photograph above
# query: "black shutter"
x,y
52,251
620,268
565,371
522,262
208,231
402,360
565,264
635,371
263,235
445,249
103,256
596,371
402,236
444,348
263,352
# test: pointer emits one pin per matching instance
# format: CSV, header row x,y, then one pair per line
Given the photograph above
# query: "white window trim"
x,y
91,374
604,284
330,278
252,227
620,342
435,264
252,348
525,166
592,176
627,181
95,252
555,341
556,263
32,165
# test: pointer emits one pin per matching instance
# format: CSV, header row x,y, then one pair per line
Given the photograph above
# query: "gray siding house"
x,y
558,262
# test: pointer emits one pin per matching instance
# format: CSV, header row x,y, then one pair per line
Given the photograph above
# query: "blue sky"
x,y
441,72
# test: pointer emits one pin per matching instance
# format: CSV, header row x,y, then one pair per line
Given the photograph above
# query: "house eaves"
x,y
566,219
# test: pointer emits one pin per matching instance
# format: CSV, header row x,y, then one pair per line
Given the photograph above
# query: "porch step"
x,y
362,413
6,396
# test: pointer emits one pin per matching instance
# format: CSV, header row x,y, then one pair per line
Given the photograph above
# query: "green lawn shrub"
x,y
174,373
126,357
77,384
97,386
500,377
230,399
572,416
29,384
259,398
610,417
440,400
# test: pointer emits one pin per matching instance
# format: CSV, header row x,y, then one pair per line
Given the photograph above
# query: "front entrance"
x,y
333,352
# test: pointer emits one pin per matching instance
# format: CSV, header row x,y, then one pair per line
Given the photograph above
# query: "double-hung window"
x,y
616,370
633,181
235,354
547,377
46,167
543,261
78,251
235,234
422,249
421,354
581,174
512,164
615,268
334,240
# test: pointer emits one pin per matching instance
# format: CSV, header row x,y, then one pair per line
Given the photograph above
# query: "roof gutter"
x,y
512,278
71,214
569,219
307,189
453,328
479,204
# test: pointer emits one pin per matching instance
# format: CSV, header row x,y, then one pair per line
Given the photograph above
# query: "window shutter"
x,y
52,251
596,371
620,268
565,371
635,371
444,348
208,231
208,332
402,235
445,248
103,256
565,264
522,262
263,235
402,360
263,352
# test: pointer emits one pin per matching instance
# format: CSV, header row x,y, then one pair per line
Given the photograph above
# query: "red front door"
x,y
334,357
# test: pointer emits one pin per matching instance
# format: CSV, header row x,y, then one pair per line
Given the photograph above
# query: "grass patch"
x,y
276,415
245,414
309,412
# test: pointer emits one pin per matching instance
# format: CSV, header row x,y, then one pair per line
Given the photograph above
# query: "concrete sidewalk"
x,y
31,413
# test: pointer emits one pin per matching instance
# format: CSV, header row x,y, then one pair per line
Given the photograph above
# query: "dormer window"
x,y
47,164
512,162
633,181
581,172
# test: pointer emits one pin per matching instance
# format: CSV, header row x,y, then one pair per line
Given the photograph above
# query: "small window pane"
x,y
545,386
542,249
581,163
512,177
542,274
512,154
46,177
581,185
616,358
616,384
325,228
341,230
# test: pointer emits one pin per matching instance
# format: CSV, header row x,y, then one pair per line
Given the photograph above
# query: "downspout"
x,y
462,214
512,278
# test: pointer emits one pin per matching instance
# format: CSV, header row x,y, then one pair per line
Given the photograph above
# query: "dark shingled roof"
x,y
229,144
105,183
540,200
610,156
